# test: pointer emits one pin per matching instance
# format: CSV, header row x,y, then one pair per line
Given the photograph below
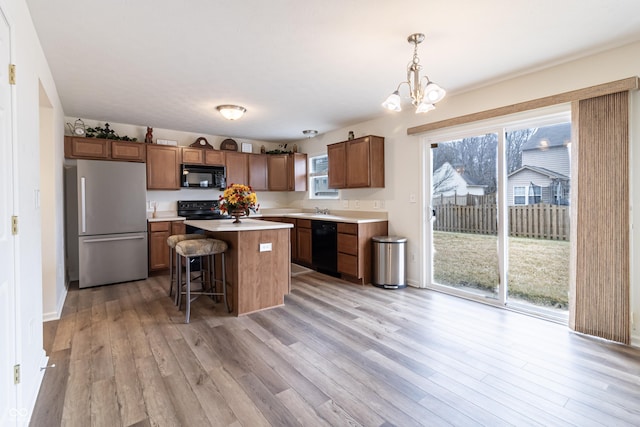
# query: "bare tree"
x,y
443,179
515,141
476,157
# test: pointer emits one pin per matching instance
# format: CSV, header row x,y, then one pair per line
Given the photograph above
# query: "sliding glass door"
x,y
521,174
465,228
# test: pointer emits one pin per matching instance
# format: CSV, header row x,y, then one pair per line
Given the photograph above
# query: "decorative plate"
x,y
229,145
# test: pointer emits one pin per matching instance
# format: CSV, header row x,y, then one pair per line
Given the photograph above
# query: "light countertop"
x,y
339,216
323,217
246,224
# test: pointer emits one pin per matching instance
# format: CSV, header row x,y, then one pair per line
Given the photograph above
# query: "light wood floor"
x,y
335,354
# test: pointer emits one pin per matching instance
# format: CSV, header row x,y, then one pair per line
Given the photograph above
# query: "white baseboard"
x,y
55,315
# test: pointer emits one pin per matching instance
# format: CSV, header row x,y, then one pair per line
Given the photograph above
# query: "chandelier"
x,y
424,93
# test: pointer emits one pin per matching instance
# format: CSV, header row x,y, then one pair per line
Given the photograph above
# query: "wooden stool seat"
x,y
201,248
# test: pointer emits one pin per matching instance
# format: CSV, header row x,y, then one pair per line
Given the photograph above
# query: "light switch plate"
x,y
265,247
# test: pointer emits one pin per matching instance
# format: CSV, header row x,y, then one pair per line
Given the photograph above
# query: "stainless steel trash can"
x,y
389,261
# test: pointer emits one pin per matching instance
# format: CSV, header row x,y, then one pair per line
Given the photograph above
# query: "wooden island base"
x,y
256,279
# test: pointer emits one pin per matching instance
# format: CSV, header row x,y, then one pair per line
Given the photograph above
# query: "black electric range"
x,y
200,209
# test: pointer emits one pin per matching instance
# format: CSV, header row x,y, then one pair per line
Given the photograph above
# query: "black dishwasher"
x,y
324,246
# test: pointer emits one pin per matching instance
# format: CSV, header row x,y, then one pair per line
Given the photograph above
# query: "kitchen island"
x,y
258,261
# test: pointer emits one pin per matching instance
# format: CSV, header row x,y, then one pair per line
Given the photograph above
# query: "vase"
x,y
237,213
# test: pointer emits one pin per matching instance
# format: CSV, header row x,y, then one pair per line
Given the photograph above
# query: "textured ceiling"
x,y
298,64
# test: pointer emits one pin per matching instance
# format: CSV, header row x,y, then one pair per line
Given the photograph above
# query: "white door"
x,y
9,413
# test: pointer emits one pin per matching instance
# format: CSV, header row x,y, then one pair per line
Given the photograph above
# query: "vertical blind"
x,y
600,289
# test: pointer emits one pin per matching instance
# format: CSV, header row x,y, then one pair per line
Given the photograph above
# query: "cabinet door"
x,y
86,148
159,232
192,156
214,157
163,165
337,157
258,172
278,173
357,159
130,151
298,172
304,245
237,168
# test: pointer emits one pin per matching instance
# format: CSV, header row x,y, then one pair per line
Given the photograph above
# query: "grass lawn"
x,y
538,269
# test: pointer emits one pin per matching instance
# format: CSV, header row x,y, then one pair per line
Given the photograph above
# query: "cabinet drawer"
x,y
348,243
347,228
159,226
304,223
348,264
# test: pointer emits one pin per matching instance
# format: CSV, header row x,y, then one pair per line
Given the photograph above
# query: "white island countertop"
x,y
245,224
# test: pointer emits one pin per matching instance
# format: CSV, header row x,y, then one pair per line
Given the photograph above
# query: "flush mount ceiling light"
x,y
231,112
310,133
424,93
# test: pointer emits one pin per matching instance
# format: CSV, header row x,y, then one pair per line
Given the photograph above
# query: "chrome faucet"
x,y
324,211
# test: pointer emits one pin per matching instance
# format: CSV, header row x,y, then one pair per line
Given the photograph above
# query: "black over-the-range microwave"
x,y
203,176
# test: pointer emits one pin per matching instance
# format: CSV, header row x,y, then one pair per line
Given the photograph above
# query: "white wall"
x,y
403,154
32,71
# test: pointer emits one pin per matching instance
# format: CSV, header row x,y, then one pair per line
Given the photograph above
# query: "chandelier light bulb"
x,y
422,97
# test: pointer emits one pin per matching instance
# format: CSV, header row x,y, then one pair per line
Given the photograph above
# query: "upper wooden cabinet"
x,y
103,149
192,156
258,172
337,157
297,170
278,176
128,151
163,167
200,156
357,163
288,172
213,158
237,168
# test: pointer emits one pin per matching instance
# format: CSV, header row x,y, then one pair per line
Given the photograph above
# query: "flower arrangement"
x,y
239,197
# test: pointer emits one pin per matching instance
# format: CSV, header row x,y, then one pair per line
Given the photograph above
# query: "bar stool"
x,y
201,248
172,241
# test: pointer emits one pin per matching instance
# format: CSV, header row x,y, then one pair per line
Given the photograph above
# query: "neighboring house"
x,y
450,183
546,168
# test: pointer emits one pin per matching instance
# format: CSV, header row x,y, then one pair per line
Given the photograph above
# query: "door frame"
x,y
500,125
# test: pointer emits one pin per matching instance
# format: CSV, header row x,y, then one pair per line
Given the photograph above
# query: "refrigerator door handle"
x,y
113,239
83,204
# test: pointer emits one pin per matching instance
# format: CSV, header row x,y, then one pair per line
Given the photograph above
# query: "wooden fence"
x,y
541,221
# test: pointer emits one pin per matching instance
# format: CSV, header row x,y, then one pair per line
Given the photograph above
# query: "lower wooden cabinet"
x,y
303,236
354,249
159,232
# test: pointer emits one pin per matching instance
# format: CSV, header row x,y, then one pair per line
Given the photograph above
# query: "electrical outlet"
x,y
412,257
376,204
356,204
345,204
382,204
412,198
265,247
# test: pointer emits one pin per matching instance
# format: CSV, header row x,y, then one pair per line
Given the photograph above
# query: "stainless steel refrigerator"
x,y
106,222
